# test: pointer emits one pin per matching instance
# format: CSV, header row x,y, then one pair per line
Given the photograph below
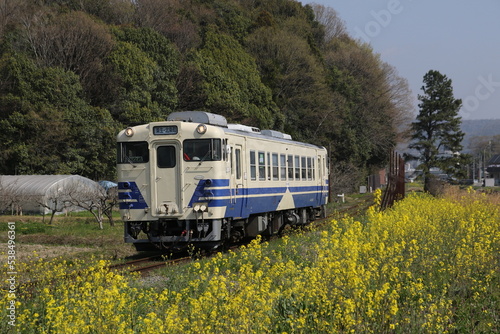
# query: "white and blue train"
x,y
195,179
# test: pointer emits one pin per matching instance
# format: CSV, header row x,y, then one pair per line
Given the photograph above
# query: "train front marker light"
x,y
129,132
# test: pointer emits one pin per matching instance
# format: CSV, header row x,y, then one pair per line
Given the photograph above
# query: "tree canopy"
x,y
436,131
85,69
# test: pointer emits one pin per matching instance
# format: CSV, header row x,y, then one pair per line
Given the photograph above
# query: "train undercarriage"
x,y
214,234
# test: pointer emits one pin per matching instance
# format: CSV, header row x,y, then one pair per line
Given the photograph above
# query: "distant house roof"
x,y
494,164
495,160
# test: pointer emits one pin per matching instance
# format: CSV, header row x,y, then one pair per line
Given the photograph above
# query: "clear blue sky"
x,y
459,38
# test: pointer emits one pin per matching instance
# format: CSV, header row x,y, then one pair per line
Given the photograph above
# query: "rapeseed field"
x,y
427,265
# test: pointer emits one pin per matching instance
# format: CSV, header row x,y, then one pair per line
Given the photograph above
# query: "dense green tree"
x,y
366,132
232,19
134,73
144,68
160,50
436,134
296,79
44,123
83,68
231,82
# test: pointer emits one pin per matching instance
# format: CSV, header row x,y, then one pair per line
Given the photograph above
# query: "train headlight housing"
x,y
201,129
129,132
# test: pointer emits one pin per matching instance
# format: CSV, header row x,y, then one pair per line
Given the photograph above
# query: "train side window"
x,y
275,167
253,166
237,153
309,168
304,168
268,166
314,169
290,167
297,168
262,166
165,157
283,167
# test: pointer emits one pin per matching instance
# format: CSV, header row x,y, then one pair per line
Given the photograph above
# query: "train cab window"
x,y
165,156
297,168
304,168
202,150
275,167
133,152
283,167
262,166
290,167
253,166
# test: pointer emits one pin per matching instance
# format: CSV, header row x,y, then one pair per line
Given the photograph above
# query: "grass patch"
x,y
80,232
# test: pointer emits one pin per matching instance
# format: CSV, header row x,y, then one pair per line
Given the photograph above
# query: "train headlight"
x,y
129,132
201,129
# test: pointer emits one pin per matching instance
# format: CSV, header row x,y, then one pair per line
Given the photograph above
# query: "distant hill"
x,y
480,127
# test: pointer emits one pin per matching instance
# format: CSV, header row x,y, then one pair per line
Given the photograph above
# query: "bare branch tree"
x,y
88,196
54,201
344,177
109,199
11,197
403,109
166,17
73,41
328,17
9,11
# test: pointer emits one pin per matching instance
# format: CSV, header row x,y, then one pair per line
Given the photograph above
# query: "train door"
x,y
165,179
237,188
319,178
320,163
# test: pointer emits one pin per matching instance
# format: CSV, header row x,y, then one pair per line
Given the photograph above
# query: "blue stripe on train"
x,y
134,198
245,202
242,204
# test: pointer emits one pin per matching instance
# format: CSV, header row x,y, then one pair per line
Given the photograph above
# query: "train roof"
x,y
219,120
198,117
261,135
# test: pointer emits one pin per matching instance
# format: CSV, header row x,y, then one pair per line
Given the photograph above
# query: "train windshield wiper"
x,y
204,157
127,159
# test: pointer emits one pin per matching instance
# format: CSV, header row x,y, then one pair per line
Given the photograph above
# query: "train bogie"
x,y
194,179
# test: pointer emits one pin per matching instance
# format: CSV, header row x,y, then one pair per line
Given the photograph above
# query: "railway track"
x,y
146,264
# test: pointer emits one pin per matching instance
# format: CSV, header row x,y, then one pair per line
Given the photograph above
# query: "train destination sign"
x,y
165,130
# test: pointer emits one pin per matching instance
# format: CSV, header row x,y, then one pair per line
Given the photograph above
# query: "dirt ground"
x,y
25,252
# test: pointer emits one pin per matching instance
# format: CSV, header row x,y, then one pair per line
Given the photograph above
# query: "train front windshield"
x,y
133,152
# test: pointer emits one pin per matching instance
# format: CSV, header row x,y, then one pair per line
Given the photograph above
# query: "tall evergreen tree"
x,y
436,131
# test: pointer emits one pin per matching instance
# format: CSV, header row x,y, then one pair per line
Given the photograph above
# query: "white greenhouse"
x,y
44,194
